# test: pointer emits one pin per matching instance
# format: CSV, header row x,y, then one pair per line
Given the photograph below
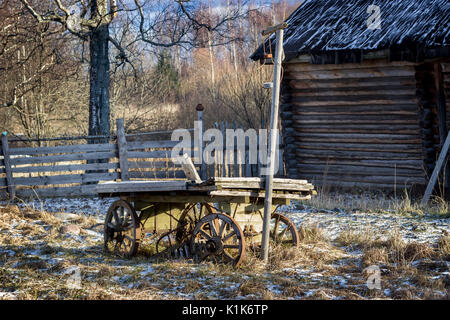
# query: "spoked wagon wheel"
x,y
175,241
190,217
283,231
122,230
217,237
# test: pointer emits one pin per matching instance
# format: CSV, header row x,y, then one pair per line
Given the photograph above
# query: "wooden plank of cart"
x,y
217,219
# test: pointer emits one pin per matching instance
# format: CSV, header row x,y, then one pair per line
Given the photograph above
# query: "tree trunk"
x,y
99,105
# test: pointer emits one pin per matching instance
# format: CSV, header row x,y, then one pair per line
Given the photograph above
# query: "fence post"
x,y
6,158
123,153
200,142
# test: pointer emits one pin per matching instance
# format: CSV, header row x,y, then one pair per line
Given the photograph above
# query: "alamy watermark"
x,y
74,280
374,20
233,146
374,279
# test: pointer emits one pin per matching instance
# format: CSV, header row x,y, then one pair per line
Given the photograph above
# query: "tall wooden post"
x,y
123,152
7,163
442,114
200,142
273,138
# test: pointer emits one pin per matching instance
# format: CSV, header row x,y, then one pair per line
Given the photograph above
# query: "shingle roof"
x,y
323,26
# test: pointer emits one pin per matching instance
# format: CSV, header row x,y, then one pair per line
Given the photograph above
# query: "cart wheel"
x,y
122,230
219,238
283,231
189,219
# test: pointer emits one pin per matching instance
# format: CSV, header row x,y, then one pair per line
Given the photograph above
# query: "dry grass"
x,y
378,202
34,259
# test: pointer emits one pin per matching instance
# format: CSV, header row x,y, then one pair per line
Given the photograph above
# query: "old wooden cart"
x,y
216,219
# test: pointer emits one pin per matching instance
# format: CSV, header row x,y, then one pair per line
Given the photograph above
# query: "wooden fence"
x,y
72,170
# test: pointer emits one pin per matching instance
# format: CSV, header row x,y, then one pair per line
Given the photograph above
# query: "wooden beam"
x,y
273,29
189,169
436,171
123,152
7,163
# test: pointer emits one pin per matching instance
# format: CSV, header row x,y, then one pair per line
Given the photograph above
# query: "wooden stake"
x,y
436,171
272,145
6,161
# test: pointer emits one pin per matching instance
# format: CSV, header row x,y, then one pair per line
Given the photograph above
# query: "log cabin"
x,y
365,98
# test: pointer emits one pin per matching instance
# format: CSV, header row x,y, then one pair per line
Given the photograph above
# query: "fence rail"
x,y
74,170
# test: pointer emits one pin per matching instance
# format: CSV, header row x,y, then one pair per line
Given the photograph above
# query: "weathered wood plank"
x,y
65,157
66,192
66,179
149,154
189,169
64,149
64,168
432,183
141,186
123,152
153,164
7,163
254,194
163,144
178,174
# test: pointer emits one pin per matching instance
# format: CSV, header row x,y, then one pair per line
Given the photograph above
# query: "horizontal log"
x,y
66,192
388,138
65,157
69,167
359,170
353,129
404,164
367,179
363,155
376,63
299,102
376,72
410,109
65,149
3,182
350,146
368,140
301,120
363,83
359,89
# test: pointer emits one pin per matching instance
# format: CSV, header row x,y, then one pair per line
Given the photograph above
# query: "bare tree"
x,y
160,23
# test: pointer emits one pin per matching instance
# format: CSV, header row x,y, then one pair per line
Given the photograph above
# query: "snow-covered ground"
x,y
423,229
34,250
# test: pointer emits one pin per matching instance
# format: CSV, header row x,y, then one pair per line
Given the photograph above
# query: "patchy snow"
x,y
334,222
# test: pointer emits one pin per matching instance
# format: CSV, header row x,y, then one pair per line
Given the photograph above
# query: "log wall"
x,y
353,124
